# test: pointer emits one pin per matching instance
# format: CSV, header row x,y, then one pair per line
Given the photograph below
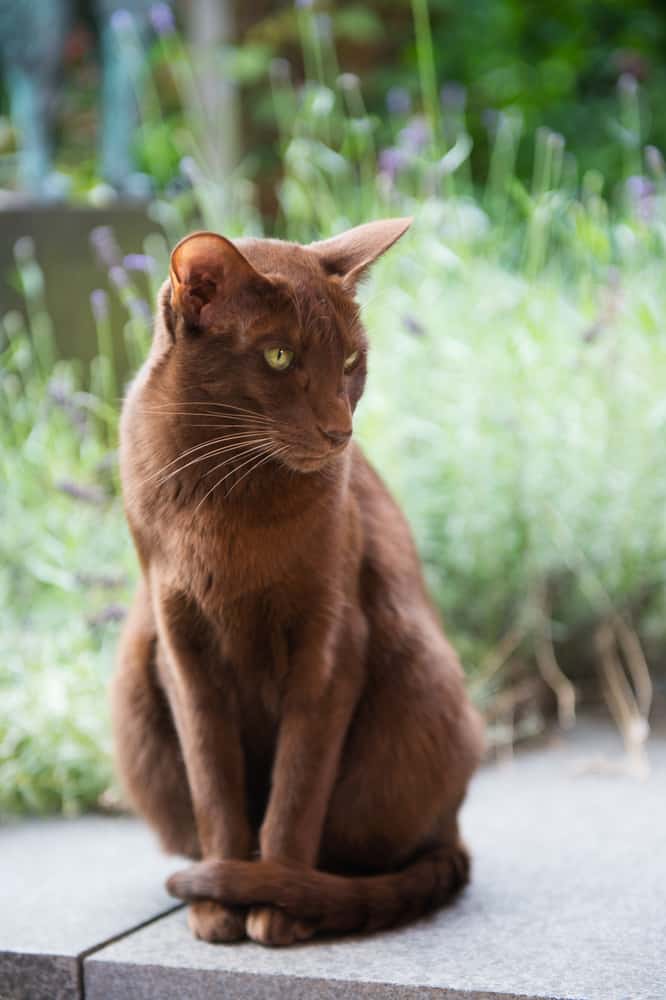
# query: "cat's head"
x,y
272,329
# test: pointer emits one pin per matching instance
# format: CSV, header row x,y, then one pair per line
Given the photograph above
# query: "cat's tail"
x,y
330,902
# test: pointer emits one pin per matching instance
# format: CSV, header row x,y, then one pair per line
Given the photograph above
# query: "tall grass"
x,y
515,405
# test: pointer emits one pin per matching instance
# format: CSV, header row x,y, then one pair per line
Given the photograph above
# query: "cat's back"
x,y
409,656
390,559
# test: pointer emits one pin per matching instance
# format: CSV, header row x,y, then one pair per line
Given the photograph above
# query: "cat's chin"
x,y
308,462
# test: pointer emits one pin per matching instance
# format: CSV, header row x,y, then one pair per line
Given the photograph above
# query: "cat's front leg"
x,y
205,713
325,679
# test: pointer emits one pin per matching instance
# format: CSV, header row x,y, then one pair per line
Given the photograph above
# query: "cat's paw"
x,y
216,923
270,926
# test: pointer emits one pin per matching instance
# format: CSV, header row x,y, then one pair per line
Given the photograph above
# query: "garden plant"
x,y
515,405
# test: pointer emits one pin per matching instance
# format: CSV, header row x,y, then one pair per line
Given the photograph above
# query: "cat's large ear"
x,y
205,270
349,255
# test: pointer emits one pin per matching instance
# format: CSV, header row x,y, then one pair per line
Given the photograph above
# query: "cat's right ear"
x,y
205,270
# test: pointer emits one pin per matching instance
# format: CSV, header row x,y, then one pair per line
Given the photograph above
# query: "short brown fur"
x,y
286,706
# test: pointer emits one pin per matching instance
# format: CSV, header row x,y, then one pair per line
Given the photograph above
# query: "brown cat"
x,y
286,706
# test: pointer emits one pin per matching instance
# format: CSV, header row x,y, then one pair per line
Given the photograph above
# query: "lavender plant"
x,y
515,406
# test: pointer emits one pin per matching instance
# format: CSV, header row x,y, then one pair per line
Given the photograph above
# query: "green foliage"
x,y
60,521
557,65
554,65
515,405
520,422
66,561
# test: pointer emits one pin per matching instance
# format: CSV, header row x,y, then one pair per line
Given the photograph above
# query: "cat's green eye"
x,y
351,361
279,357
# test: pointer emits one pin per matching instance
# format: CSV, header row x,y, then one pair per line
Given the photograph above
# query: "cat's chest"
x,y
219,561
242,582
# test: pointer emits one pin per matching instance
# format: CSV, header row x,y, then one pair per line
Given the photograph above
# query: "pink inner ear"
x,y
206,267
203,289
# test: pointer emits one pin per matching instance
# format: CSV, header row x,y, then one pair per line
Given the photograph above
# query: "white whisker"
x,y
220,481
272,454
212,454
258,447
224,411
217,424
166,412
228,406
197,447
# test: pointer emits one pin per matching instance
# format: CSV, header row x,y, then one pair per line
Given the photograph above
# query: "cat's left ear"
x,y
349,255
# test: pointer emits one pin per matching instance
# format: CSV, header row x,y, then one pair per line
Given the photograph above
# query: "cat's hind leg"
x,y
150,763
148,757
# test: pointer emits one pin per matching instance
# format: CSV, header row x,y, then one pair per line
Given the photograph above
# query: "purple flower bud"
x,y
627,84
122,21
59,391
415,136
100,234
413,325
392,161
639,186
189,169
398,101
99,302
140,310
453,96
161,18
81,491
104,244
108,615
640,192
654,160
139,262
119,277
24,249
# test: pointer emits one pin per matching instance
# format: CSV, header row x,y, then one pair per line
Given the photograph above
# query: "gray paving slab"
x,y
568,900
68,886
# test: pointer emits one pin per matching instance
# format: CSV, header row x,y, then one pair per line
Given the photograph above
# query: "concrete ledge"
x,y
68,887
150,981
38,977
568,900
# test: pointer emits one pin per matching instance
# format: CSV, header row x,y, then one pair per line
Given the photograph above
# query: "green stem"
x,y
425,55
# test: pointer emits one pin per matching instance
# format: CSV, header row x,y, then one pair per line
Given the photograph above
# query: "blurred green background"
x,y
516,399
554,65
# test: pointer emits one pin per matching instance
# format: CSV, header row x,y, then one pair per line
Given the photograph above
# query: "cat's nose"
x,y
335,435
